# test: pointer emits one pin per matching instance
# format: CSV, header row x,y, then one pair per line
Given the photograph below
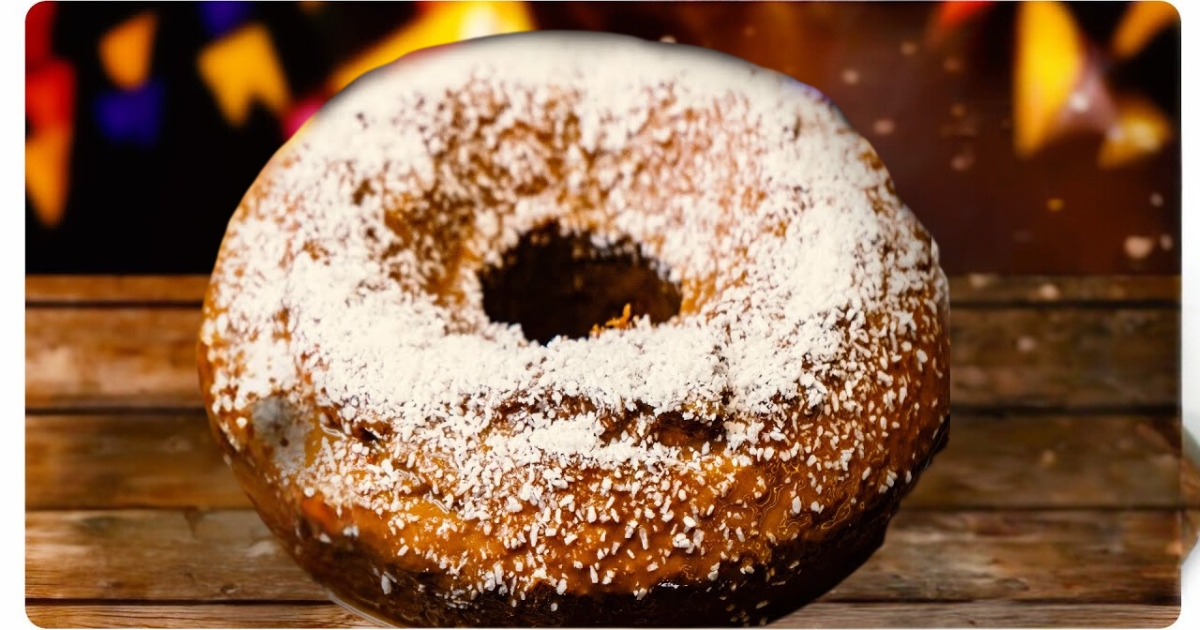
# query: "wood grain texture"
x,y
1000,614
99,357
191,615
55,289
997,614
965,290
126,461
992,461
1082,556
1008,357
1054,461
1064,358
228,555
158,555
1061,500
991,290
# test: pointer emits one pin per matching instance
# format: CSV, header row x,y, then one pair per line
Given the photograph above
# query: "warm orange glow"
x,y
440,23
1140,24
949,17
241,69
47,162
1050,62
125,50
953,14
1141,130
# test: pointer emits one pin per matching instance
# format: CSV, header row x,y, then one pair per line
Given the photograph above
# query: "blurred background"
x,y
1028,137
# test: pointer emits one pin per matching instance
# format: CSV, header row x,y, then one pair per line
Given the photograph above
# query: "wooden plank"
x,y
1064,358
115,289
985,289
1054,461
965,290
249,615
128,461
1020,461
1051,358
158,554
1115,557
96,357
1082,556
995,614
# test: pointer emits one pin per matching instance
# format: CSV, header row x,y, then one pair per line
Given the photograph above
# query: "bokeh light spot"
x,y
47,160
38,25
1141,129
442,23
1050,58
132,116
50,94
125,51
219,18
241,69
1142,21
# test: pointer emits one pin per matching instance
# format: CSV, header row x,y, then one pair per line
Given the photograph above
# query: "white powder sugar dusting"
x,y
347,288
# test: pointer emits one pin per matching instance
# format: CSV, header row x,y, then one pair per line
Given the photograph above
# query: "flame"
x,y
1140,24
125,51
441,23
1050,62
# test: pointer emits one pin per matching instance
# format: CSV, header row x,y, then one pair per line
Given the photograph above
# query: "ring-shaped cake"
x,y
441,440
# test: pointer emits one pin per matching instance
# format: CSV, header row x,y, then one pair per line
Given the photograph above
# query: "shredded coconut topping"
x,y
345,321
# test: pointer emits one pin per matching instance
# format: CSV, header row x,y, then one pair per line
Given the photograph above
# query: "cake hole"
x,y
553,284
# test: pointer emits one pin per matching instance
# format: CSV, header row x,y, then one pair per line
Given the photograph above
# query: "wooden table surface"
x,y
1061,500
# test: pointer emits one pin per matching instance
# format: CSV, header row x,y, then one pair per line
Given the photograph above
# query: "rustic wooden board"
x,y
186,289
1053,461
992,461
965,290
1000,614
981,290
198,615
1066,496
106,357
126,461
1076,555
1064,358
1006,357
158,555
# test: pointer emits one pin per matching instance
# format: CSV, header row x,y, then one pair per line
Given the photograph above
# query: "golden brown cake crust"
x,y
430,466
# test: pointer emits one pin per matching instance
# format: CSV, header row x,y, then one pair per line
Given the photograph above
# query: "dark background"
x,y
934,96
